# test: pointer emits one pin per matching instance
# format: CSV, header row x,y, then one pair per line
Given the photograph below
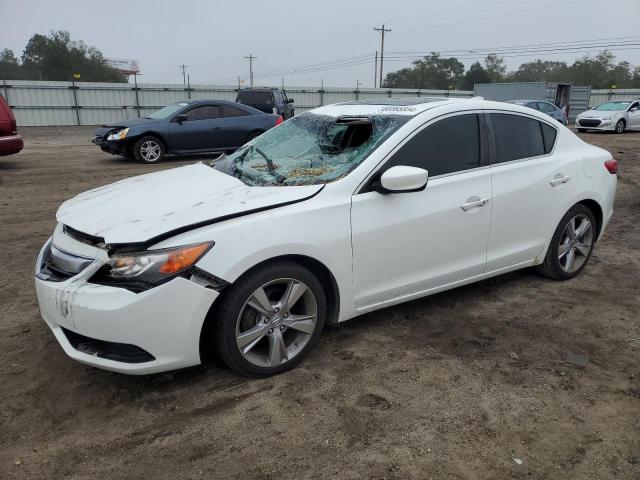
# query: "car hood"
x,y
150,207
103,129
599,113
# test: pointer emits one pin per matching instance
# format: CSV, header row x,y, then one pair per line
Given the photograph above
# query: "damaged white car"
x,y
339,211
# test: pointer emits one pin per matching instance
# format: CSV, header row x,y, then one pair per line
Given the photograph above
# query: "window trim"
x,y
492,140
365,185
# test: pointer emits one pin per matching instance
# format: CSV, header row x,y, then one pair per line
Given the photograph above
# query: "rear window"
x,y
516,137
255,98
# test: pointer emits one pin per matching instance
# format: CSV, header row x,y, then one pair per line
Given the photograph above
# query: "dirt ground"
x,y
455,386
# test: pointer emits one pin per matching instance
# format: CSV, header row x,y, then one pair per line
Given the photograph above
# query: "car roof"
x,y
207,101
259,89
413,106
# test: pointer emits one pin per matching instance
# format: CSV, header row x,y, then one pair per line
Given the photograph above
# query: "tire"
x,y
582,130
620,126
253,135
274,335
149,149
569,253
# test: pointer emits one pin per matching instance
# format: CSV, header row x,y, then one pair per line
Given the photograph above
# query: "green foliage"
x,y
600,71
57,57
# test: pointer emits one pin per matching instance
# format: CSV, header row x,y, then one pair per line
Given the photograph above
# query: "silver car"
x,y
617,116
545,107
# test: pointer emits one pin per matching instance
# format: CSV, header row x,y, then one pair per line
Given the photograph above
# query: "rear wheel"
x,y
270,319
149,149
571,245
620,126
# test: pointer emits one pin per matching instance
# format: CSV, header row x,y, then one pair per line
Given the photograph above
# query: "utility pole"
x,y
382,30
375,72
184,74
251,58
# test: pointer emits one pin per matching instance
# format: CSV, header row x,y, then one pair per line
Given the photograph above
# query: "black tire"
x,y
227,316
552,267
253,135
582,130
620,126
147,144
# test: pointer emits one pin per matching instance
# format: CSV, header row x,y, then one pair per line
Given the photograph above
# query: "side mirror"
x,y
402,179
181,118
290,100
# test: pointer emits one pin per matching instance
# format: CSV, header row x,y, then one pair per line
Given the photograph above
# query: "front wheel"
x,y
149,150
620,126
571,245
270,319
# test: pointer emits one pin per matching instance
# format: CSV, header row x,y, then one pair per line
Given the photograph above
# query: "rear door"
x,y
203,130
533,181
412,242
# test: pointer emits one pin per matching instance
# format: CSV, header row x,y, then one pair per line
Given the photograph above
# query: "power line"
x,y
382,30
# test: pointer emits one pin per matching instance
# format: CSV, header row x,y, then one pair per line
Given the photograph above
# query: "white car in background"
x,y
339,211
617,116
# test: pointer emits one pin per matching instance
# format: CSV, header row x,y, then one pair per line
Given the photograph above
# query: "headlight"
x,y
143,270
608,117
119,135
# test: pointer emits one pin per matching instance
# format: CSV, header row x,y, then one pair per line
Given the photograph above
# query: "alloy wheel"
x,y
620,126
576,243
276,322
150,150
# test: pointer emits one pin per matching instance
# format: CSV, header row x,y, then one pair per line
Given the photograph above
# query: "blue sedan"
x,y
194,126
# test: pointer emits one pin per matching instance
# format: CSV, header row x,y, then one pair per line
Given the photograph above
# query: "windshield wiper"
x,y
279,178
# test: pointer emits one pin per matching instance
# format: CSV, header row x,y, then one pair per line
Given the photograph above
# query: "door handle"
x,y
216,128
474,202
559,179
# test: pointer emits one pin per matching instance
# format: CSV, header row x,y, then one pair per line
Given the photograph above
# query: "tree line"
x,y
57,57
434,71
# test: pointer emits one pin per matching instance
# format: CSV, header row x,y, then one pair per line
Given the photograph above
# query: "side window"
x,y
516,137
206,112
231,111
634,105
449,145
549,135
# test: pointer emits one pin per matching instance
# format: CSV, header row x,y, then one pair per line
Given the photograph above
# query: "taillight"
x,y
279,120
12,125
611,166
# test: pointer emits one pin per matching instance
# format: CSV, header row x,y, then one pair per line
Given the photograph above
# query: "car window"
x,y
542,107
635,105
231,111
548,136
206,112
516,137
254,98
447,146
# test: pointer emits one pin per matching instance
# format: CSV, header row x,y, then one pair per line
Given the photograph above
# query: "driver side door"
x,y
634,116
406,244
203,130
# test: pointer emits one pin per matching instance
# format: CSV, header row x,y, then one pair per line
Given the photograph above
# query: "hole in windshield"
x,y
309,149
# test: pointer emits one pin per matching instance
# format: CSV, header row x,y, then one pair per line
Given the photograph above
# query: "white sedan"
x,y
616,116
339,211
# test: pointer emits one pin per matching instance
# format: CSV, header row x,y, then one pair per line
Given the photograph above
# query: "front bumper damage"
x,y
118,330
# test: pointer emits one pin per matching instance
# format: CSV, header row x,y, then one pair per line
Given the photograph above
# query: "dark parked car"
x,y
10,141
194,126
545,107
268,100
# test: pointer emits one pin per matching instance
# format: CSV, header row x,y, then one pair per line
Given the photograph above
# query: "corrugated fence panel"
x,y
599,96
38,103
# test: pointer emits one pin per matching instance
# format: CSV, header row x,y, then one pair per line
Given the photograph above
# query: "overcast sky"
x,y
212,37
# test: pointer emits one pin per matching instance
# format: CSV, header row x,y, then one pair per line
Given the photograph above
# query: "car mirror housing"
x,y
402,179
181,118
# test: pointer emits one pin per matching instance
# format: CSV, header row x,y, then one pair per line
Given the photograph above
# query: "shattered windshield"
x,y
309,149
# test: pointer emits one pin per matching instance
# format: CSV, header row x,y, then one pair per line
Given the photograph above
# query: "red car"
x,y
10,141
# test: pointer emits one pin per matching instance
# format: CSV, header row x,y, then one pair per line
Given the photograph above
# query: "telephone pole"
x,y
184,75
382,30
251,58
375,72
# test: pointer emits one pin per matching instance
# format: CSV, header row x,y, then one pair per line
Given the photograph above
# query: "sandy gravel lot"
x,y
454,386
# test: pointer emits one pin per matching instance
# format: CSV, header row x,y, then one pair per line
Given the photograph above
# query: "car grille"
x,y
58,265
586,122
119,352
